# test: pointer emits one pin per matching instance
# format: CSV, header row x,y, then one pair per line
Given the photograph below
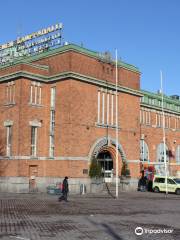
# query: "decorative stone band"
x,y
136,161
44,158
8,123
35,123
133,161
71,75
71,158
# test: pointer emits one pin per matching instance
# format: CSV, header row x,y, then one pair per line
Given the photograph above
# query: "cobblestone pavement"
x,y
41,216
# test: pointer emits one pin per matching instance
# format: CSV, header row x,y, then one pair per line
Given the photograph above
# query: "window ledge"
x,y
34,157
9,104
106,126
35,105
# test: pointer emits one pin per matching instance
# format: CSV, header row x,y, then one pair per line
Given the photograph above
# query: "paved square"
x,y
41,216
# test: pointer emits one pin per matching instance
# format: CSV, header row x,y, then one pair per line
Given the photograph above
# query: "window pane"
x,y
178,154
33,140
144,151
53,93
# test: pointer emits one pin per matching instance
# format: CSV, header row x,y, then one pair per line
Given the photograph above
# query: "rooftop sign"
x,y
31,44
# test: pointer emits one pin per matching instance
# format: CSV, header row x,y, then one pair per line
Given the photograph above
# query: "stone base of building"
x,y
76,185
129,184
14,184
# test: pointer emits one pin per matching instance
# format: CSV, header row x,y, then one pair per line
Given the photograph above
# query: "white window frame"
x,y
10,92
112,109
53,97
107,108
103,104
34,141
51,146
8,140
178,154
99,106
52,122
35,93
160,153
144,151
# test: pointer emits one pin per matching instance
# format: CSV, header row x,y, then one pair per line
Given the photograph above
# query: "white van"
x,y
159,184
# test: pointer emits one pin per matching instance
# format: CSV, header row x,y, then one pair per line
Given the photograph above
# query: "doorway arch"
x,y
107,145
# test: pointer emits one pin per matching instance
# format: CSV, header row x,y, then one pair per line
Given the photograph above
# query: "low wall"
x,y
128,185
23,185
14,184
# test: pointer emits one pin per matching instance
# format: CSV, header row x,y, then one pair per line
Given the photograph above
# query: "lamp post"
x,y
164,134
117,165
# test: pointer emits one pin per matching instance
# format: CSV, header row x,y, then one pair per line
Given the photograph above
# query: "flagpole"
x,y
117,165
164,134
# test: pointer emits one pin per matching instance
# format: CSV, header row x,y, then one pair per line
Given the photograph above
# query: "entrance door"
x,y
104,158
33,173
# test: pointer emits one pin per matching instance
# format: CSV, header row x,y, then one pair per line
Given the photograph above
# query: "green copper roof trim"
x,y
159,97
170,105
160,109
71,75
65,48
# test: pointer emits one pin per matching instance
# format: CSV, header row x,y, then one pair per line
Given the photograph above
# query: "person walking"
x,y
65,190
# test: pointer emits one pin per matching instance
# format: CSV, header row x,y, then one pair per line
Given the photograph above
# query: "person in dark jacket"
x,y
65,190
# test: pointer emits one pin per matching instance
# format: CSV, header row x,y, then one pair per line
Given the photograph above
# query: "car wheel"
x,y
156,189
178,191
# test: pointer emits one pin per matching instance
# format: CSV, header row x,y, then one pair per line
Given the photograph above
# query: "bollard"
x,y
82,189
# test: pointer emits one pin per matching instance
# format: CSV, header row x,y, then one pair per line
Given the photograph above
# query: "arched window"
x,y
178,154
144,151
160,153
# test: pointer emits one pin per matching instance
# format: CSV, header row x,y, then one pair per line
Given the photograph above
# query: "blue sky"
x,y
146,33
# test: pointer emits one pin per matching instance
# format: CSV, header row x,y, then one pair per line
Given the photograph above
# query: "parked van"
x,y
159,184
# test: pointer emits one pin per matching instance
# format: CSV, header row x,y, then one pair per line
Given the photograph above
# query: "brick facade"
x,y
79,76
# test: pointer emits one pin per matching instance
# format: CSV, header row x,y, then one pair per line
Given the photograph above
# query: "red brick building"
x,y
58,112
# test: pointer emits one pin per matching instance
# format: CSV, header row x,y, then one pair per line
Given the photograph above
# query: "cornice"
x,y
69,75
67,48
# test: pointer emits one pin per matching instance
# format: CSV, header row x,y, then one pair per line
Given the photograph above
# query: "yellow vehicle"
x,y
159,184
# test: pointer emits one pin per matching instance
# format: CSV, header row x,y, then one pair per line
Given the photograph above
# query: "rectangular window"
x,y
112,109
143,117
10,93
52,122
9,140
103,100
169,122
99,104
51,148
40,92
105,107
140,117
158,120
148,118
33,141
53,97
35,93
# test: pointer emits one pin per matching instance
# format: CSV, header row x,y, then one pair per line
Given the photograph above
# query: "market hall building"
x,y
58,113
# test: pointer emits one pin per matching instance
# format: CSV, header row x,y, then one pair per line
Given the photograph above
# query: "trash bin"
x,y
82,189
